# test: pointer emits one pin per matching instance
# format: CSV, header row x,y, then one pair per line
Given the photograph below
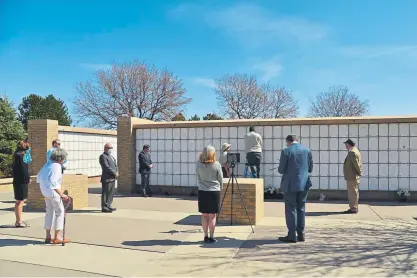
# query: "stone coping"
x,y
86,130
6,181
281,122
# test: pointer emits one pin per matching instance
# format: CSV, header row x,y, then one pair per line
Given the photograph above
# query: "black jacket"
x,y
144,162
108,167
20,170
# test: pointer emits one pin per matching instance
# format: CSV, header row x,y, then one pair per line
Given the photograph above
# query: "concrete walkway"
x,y
161,237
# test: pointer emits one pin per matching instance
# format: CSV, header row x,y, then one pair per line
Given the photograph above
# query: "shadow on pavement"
x,y
324,213
191,220
193,231
223,242
388,247
18,242
8,202
8,227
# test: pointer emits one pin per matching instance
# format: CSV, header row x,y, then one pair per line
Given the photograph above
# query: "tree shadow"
x,y
388,246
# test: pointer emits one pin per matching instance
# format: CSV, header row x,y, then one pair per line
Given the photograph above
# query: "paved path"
x,y
161,237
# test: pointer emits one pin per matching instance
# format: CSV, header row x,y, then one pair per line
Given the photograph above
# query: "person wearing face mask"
x,y
21,180
145,168
223,160
56,144
108,178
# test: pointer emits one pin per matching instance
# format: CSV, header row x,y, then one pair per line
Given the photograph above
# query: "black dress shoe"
x,y
106,210
301,238
113,209
287,239
349,211
212,240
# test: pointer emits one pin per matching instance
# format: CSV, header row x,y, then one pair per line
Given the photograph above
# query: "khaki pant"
x,y
353,194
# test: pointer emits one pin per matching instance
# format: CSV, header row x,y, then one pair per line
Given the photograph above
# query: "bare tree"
x,y
240,96
281,103
338,102
132,89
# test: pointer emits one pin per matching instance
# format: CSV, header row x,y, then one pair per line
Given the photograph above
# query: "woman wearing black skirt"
x,y
21,180
210,183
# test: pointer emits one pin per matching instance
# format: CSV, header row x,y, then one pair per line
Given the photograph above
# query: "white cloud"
x,y
96,66
255,25
379,51
205,82
269,69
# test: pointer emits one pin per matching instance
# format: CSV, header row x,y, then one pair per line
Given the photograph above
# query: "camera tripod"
x,y
233,181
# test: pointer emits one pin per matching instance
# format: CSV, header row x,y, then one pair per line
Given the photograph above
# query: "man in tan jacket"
x,y
352,170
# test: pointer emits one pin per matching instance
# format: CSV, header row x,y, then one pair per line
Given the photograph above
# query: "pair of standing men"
x,y
296,163
110,174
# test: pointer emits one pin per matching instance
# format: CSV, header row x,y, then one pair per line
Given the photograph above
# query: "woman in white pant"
x,y
50,179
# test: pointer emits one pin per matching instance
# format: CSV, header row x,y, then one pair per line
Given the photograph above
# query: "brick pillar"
x,y
41,133
126,153
253,195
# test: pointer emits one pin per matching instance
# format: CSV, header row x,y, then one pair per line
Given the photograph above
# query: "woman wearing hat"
x,y
210,183
223,160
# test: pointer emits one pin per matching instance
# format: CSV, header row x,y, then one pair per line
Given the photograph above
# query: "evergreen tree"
x,y
178,117
11,132
36,107
195,118
211,117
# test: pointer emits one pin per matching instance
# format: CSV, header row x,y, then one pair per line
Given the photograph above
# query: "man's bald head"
x,y
108,147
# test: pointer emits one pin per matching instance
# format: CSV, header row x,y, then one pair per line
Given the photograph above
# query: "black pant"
x,y
107,193
254,159
145,188
225,175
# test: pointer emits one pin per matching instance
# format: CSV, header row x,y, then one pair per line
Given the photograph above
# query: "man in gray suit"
x,y
295,164
145,166
108,178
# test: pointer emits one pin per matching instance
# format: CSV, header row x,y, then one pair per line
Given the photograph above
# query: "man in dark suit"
x,y
108,178
145,166
295,164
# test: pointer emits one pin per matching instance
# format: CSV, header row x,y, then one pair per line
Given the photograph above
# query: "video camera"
x,y
233,159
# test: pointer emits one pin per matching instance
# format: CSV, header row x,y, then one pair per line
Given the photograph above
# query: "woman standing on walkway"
x,y
21,180
210,183
50,179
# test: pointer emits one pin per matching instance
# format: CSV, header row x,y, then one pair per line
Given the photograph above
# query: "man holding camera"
x,y
253,148
295,164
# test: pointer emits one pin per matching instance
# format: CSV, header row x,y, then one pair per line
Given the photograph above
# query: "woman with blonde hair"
x,y
210,183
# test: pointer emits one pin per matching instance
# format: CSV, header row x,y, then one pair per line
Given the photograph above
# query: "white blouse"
x,y
50,178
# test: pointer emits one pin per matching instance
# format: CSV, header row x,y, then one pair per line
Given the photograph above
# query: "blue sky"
x,y
46,46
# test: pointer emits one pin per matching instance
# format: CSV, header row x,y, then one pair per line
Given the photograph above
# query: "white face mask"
x,y
110,151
